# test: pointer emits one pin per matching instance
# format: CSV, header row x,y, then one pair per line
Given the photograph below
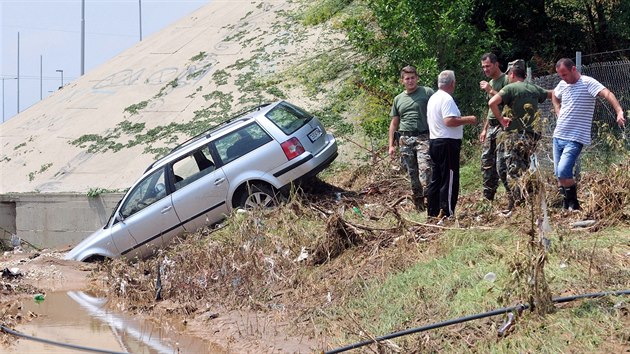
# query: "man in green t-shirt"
x,y
521,122
491,127
409,119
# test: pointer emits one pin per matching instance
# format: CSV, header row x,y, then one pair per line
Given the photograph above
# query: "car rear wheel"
x,y
258,196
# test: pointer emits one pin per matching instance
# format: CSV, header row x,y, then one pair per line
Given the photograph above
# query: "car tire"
x,y
258,196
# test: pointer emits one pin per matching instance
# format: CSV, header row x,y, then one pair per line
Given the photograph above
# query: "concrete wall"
x,y
54,220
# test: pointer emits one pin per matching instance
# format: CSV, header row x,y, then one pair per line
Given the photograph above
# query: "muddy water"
x,y
78,319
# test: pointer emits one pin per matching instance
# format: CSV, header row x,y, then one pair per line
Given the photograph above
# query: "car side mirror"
x,y
118,217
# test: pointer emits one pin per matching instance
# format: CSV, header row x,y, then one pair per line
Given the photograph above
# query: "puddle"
x,y
78,319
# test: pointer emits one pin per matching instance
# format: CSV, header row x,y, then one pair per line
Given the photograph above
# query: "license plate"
x,y
315,134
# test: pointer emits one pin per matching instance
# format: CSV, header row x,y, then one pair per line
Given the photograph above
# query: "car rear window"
x,y
288,118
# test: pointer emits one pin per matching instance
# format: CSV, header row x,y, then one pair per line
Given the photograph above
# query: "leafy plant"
x,y
95,192
199,57
134,108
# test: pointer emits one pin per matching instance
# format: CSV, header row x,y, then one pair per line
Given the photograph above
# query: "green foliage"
x,y
609,145
134,108
322,11
96,191
431,35
453,282
470,176
374,118
43,168
220,77
19,146
171,85
276,92
199,57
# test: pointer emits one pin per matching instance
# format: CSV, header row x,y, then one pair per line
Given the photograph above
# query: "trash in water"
x,y
39,298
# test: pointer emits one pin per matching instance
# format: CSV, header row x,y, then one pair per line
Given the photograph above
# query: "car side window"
x,y
192,167
240,142
148,191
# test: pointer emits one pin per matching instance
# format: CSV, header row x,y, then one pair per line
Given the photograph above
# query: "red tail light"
x,y
292,148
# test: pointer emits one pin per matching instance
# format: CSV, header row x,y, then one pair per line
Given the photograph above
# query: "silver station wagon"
x,y
246,162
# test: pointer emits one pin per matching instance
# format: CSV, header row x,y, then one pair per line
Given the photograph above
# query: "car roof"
x,y
228,124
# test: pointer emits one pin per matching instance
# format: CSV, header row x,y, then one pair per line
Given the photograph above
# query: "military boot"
x,y
563,193
571,197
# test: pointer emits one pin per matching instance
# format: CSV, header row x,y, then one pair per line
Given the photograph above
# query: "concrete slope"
x,y
102,130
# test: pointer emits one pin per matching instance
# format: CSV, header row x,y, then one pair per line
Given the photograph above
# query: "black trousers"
x,y
444,186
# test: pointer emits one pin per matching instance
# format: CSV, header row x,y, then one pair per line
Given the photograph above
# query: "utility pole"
x,y
18,73
2,100
82,37
41,77
140,17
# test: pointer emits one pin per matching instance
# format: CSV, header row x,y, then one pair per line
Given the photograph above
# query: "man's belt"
x,y
494,122
413,132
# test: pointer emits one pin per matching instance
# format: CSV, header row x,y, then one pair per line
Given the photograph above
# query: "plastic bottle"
x,y
39,298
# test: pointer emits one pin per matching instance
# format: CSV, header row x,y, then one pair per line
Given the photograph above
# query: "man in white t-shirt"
x,y
574,102
445,132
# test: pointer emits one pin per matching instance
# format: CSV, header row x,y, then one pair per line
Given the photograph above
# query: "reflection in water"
x,y
91,324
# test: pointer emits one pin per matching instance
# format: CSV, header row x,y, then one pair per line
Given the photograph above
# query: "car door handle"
x,y
166,210
219,181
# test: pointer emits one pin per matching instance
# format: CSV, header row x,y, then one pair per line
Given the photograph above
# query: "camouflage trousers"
x,y
489,170
514,150
414,151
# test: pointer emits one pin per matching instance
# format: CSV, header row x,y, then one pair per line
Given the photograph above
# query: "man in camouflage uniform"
x,y
491,127
518,141
409,119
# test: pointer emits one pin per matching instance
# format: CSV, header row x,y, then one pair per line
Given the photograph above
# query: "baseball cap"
x,y
518,63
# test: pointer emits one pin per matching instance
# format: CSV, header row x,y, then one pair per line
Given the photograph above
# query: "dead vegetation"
x,y
319,250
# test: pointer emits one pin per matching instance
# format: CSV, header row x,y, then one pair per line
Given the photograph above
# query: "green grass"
x,y
450,284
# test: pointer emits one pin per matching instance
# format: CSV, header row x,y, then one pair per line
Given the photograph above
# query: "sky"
x,y
50,40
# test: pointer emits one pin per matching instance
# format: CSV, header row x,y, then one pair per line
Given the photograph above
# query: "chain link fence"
x,y
615,75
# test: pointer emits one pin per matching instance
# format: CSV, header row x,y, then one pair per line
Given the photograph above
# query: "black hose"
x,y
504,310
48,341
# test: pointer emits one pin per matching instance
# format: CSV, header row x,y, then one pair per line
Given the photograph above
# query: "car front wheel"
x,y
258,196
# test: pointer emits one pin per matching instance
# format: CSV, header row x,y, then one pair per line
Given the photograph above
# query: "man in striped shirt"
x,y
574,103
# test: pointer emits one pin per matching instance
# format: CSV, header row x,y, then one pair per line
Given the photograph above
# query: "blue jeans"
x,y
565,155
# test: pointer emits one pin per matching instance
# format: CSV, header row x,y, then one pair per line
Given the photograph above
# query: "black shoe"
x,y
571,197
565,200
419,204
488,195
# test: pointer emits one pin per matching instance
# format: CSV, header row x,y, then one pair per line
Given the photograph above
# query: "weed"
x,y
220,77
199,57
19,146
135,108
96,191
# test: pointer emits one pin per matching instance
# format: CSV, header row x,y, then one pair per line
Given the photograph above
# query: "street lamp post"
x,y
60,71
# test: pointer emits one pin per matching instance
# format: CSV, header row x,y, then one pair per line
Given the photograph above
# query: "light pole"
x,y
60,71
140,17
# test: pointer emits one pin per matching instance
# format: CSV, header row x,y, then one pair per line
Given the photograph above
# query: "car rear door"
x,y
148,218
200,189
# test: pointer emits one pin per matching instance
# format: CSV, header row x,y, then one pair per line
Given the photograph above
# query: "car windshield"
x,y
288,118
